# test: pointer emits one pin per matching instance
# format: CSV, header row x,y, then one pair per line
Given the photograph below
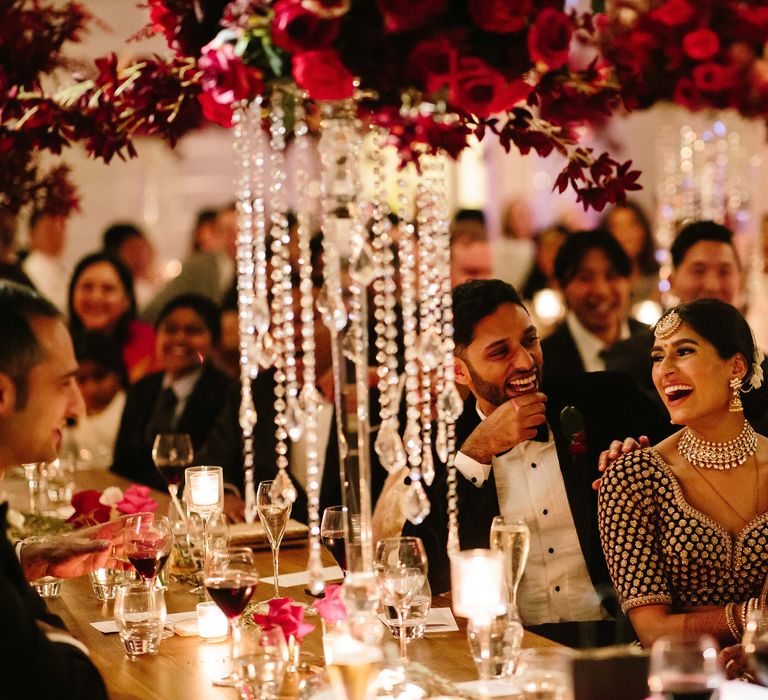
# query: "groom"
x,y
528,449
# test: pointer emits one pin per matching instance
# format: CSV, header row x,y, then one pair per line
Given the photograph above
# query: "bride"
x,y
683,524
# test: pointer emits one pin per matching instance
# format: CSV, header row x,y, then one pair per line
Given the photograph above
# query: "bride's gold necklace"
x,y
718,455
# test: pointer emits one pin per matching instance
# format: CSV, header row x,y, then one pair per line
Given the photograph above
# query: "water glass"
x,y
105,582
59,476
140,617
503,638
545,674
47,586
260,657
415,621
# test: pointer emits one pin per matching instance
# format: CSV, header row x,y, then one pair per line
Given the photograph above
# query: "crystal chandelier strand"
x,y
308,396
286,390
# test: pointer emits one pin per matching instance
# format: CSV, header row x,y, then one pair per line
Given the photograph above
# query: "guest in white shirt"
x,y
43,264
593,273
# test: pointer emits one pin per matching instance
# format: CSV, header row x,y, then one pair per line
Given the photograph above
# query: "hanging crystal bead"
x,y
389,446
415,503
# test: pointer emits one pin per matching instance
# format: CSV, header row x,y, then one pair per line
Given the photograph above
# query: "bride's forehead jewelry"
x,y
667,325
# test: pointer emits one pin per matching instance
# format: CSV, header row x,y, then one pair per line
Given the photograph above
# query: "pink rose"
x,y
549,39
482,90
405,15
331,608
296,28
323,75
501,16
432,62
701,44
136,499
286,615
225,77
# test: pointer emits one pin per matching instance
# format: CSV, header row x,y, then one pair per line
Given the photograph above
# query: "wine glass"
x,y
333,535
172,453
147,539
274,517
684,667
400,564
230,579
755,643
511,537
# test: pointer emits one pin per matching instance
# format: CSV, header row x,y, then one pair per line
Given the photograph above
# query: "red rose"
x,y
701,44
501,16
225,77
550,38
482,90
323,75
404,15
712,77
88,509
687,95
673,13
433,62
215,111
297,29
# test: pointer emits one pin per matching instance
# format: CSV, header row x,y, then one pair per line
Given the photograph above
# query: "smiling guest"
x,y
101,299
684,524
519,457
593,272
185,397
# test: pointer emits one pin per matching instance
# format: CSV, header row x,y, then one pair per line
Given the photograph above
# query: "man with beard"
x,y
530,452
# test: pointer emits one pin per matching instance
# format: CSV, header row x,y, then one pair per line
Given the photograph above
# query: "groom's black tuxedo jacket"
x,y
611,408
32,666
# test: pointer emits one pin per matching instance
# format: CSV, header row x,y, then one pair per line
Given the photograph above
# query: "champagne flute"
x,y
274,518
400,564
511,537
147,539
172,453
332,535
684,668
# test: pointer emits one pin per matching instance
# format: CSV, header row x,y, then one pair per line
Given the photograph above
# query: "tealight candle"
x,y
477,581
205,486
211,622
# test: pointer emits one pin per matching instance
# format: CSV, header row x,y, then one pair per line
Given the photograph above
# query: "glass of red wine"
x,y
172,453
230,579
332,535
147,539
684,668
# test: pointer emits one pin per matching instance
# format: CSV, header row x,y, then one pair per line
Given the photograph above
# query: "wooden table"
x,y
185,667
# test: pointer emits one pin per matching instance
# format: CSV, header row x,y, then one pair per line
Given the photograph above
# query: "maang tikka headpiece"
x,y
667,325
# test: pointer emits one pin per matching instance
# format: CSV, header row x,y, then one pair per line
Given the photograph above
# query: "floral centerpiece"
x,y
95,507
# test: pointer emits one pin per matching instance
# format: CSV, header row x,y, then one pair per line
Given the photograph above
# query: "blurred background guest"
x,y
184,397
127,242
630,226
542,275
43,263
471,256
513,253
593,273
102,379
10,264
101,299
203,232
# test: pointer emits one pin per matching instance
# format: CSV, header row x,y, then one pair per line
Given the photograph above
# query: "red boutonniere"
x,y
572,427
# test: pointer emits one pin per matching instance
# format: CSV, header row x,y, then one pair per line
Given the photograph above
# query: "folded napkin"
x,y
244,534
110,626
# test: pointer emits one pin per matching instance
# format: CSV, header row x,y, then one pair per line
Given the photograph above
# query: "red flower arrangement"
x,y
94,507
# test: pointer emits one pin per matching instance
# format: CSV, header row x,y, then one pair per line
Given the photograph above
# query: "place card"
x,y
110,626
438,620
300,578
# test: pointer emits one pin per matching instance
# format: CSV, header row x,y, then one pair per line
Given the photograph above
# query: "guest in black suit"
x,y
522,457
593,272
184,398
38,394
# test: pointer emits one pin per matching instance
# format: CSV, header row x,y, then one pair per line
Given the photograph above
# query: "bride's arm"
x,y
653,621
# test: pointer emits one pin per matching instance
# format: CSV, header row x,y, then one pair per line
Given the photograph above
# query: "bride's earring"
x,y
735,405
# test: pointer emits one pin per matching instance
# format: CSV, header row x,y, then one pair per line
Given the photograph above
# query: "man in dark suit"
x,y
593,273
186,397
38,394
530,451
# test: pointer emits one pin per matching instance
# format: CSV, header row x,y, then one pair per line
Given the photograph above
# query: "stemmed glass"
x,y
333,536
172,453
684,667
755,643
511,537
230,579
274,517
400,564
147,539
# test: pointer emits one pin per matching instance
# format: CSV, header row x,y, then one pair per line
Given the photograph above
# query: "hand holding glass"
x,y
147,541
